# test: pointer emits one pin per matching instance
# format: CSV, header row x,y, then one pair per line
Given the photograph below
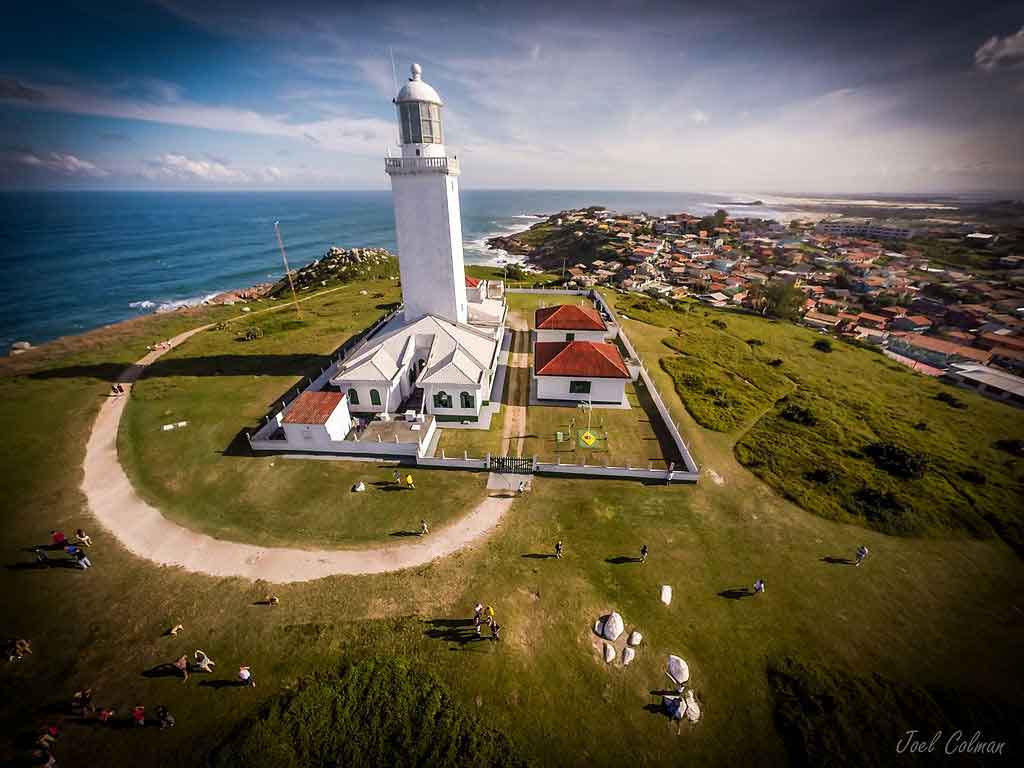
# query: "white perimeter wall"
x,y
601,390
428,227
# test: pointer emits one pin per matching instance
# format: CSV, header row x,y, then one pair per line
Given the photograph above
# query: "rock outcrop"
x,y
613,627
340,265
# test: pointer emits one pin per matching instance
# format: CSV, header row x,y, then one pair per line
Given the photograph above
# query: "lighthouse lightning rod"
x,y
287,270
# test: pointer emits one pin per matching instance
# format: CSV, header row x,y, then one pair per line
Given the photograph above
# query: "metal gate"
x,y
514,465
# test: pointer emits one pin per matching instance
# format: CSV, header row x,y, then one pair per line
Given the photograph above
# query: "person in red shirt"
x,y
139,715
58,538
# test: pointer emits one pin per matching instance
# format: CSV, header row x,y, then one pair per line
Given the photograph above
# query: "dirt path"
x,y
148,534
518,388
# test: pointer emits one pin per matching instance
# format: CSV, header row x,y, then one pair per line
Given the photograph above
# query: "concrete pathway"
x,y
148,534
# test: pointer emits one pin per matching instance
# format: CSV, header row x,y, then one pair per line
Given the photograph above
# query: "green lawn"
x,y
528,303
203,477
926,612
808,422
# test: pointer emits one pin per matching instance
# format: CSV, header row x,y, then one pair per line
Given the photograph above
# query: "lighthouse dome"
x,y
417,90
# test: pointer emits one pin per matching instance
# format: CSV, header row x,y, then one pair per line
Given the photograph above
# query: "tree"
x,y
717,219
778,299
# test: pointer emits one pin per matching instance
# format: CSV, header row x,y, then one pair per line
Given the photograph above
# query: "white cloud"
x,y
1001,52
61,163
176,167
699,116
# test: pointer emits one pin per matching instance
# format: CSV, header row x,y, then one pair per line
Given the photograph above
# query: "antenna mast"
x,y
394,82
287,270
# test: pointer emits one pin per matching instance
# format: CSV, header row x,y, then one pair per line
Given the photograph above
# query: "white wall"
x,y
429,390
601,390
307,436
549,335
362,388
428,227
340,421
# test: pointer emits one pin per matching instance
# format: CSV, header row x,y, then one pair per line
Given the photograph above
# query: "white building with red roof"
x,y
581,371
570,322
315,419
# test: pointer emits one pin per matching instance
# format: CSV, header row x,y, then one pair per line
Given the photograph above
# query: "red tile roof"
x,y
313,407
591,359
568,317
472,282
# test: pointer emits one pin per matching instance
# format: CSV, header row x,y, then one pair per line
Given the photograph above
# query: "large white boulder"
x,y
635,638
678,669
666,594
627,656
692,707
609,653
613,627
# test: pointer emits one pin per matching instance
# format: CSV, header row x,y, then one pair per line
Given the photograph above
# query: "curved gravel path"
x,y
146,533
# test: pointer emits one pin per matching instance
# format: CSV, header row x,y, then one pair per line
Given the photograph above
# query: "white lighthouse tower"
x,y
428,225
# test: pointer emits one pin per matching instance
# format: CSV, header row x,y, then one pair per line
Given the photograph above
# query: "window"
x,y
353,397
570,337
420,123
466,400
579,387
442,400
374,397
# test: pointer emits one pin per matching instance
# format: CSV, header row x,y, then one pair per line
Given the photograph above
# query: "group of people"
x,y
116,390
74,550
481,616
396,476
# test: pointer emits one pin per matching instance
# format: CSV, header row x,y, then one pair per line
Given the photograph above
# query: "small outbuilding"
x,y
315,419
583,371
570,322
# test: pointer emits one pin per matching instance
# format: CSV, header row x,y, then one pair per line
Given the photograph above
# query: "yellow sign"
x,y
588,438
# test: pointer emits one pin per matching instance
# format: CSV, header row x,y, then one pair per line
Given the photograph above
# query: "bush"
x,y
823,345
895,460
821,475
755,342
877,506
921,426
775,363
379,712
720,324
799,415
974,476
1014,447
951,400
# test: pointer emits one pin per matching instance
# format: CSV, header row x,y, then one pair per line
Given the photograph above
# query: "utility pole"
x,y
287,270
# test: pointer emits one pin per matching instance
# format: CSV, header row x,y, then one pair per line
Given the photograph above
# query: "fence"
x,y
670,475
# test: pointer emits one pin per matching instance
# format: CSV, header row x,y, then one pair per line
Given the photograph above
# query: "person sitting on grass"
x,y
409,483
139,715
58,538
173,631
203,662
759,586
245,677
83,537
165,717
495,631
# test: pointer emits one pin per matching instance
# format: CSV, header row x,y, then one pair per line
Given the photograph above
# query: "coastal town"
x,y
944,299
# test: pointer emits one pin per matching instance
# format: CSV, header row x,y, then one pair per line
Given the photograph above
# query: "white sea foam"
x,y
172,304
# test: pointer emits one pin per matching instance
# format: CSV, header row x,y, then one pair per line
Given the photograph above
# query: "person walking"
x,y
182,666
558,550
203,662
490,615
245,677
522,488
759,586
83,537
862,553
477,624
424,530
139,715
409,483
397,477
478,610
495,631
643,554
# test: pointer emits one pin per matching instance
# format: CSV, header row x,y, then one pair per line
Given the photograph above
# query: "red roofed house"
x,y
570,322
585,371
314,419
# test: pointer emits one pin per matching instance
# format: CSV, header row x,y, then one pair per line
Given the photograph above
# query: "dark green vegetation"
x,y
864,458
338,267
382,711
821,713
935,612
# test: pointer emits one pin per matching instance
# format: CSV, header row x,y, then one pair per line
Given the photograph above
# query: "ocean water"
x,y
73,261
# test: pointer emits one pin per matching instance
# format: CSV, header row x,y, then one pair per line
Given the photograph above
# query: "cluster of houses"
x,y
862,279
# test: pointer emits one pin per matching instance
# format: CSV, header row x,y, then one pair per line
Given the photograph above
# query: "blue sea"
x,y
73,261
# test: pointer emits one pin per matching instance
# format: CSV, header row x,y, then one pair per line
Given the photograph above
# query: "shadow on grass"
x,y
218,684
166,669
837,560
404,533
538,556
621,560
459,631
736,594
213,365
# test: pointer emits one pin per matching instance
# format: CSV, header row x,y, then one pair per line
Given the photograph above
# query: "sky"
x,y
799,97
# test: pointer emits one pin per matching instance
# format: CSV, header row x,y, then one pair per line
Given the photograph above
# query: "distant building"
x,y
874,229
990,382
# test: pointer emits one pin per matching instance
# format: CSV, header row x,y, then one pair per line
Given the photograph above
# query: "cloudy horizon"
x,y
225,94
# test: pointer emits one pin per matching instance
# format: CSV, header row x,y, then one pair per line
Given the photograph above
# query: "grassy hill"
x,y
847,434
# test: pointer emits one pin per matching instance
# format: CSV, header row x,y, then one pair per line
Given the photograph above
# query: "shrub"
x,y
821,475
823,345
921,426
799,415
974,476
877,506
1015,447
755,342
775,363
895,460
951,400
378,712
719,324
